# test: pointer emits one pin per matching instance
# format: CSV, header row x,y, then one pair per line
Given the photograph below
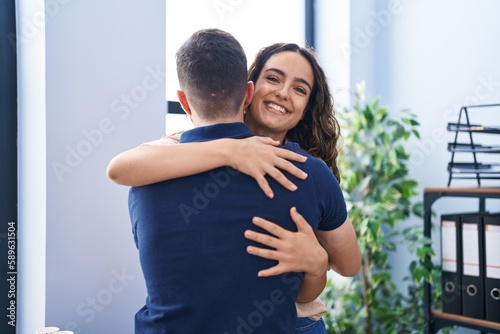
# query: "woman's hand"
x,y
257,156
295,251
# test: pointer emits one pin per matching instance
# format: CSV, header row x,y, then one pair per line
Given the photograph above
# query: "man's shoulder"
x,y
311,161
293,146
319,172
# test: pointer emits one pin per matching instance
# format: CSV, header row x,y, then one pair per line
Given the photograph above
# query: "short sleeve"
x,y
331,203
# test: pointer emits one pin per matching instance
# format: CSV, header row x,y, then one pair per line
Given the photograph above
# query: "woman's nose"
x,y
282,93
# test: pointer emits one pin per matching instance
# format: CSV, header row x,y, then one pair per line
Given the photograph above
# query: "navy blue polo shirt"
x,y
189,233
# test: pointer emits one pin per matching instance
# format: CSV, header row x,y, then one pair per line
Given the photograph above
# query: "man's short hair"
x,y
212,72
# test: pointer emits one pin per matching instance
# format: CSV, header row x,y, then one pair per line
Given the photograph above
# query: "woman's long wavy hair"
x,y
318,132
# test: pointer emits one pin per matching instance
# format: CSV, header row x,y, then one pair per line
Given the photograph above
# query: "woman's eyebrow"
x,y
280,72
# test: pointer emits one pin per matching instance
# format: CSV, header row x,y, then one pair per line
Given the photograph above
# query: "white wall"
x,y
431,57
105,92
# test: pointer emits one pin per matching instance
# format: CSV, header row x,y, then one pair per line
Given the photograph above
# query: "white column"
x,y
32,162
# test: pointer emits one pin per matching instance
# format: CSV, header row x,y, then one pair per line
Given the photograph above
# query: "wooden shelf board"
x,y
472,190
461,318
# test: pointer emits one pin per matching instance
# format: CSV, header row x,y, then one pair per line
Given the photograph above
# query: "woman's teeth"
x,y
277,107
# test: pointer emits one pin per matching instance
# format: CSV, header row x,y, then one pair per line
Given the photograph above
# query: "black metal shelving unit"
x,y
436,319
472,169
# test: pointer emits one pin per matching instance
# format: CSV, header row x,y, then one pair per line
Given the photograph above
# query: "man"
x,y
190,231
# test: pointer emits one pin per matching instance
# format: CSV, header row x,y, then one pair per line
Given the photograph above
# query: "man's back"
x,y
190,236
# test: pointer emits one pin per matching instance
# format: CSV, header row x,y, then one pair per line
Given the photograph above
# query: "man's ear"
x,y
248,94
184,102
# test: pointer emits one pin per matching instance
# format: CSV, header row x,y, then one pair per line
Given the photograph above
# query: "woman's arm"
x,y
254,156
311,287
295,252
341,244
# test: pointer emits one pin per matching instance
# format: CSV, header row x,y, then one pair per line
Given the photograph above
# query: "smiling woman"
x,y
317,130
282,91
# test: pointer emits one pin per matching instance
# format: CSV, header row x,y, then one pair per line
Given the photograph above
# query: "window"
x,y
255,24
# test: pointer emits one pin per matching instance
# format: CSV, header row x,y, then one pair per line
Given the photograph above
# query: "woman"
x,y
291,102
316,131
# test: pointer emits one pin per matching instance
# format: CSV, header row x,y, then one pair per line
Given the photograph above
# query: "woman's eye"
x,y
273,79
301,90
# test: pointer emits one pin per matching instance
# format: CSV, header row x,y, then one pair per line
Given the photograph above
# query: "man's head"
x,y
212,72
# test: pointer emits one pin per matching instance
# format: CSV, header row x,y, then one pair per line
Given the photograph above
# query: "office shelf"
x,y
472,169
436,319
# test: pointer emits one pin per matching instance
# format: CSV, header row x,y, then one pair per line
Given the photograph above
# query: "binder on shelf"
x,y
451,260
492,262
473,266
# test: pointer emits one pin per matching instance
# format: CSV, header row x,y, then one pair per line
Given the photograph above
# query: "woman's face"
x,y
281,94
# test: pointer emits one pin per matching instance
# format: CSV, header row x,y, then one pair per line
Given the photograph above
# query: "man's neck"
x,y
204,122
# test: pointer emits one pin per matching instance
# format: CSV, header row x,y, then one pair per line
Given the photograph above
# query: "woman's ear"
x,y
184,102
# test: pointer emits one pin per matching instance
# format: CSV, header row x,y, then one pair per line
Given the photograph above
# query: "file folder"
x,y
451,259
473,266
492,262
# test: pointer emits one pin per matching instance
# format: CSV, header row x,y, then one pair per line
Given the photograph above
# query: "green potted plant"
x,y
379,193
